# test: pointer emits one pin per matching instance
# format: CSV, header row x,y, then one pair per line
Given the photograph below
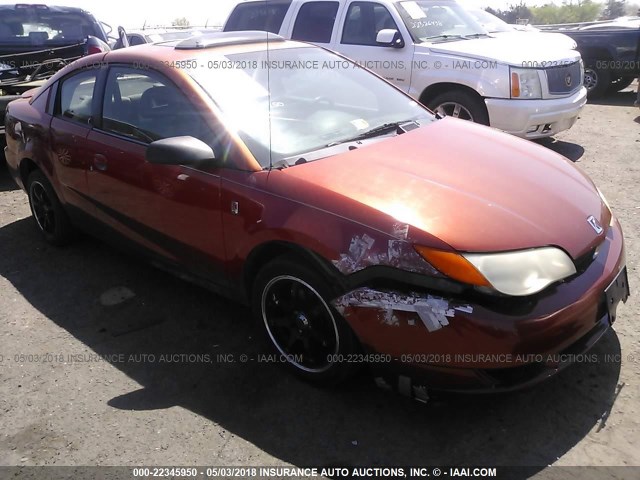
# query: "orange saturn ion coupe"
x,y
360,227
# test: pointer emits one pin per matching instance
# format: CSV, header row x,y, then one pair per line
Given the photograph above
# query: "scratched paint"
x,y
434,312
365,252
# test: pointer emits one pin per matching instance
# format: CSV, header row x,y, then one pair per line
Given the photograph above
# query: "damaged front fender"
x,y
432,311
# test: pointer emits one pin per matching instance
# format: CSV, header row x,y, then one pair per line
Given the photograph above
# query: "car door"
x,y
70,126
356,39
171,210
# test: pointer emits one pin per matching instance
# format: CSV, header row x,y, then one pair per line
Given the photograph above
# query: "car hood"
x,y
505,50
548,39
475,188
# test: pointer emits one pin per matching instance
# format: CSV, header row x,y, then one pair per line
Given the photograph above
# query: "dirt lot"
x,y
61,404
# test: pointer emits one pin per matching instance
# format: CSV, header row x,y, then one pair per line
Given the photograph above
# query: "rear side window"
x,y
315,22
76,97
136,40
263,16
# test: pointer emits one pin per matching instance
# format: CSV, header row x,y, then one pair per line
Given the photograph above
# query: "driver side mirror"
x,y
390,37
179,151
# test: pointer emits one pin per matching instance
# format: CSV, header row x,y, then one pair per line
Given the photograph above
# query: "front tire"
x,y
597,81
291,304
460,104
47,211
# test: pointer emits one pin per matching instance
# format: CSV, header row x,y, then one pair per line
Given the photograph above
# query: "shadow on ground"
x,y
290,420
572,151
618,99
6,182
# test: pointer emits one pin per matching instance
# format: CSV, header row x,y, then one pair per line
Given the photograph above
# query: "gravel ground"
x,y
88,370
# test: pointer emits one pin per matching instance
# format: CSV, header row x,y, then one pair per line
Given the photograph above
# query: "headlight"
x,y
518,273
525,83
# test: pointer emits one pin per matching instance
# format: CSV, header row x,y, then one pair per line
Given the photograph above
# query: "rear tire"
x,y
47,211
291,304
460,104
620,84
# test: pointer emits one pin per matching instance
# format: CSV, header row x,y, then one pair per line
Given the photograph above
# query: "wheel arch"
x,y
27,166
264,253
432,91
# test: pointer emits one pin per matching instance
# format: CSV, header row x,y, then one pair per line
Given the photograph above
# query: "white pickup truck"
x,y
438,53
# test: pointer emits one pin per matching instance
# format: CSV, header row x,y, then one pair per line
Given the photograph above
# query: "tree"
x,y
614,9
513,13
570,12
180,22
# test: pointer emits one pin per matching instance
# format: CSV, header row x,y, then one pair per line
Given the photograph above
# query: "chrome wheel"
x,y
300,323
454,109
590,79
42,208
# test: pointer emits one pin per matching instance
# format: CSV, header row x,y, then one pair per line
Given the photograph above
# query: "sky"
x,y
134,13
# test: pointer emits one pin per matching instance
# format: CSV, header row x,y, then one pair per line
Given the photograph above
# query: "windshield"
x,y
490,22
41,26
317,100
438,21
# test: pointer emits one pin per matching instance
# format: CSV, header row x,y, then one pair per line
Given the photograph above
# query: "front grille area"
x,y
564,79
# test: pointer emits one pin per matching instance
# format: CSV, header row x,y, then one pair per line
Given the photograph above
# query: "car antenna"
x,y
266,6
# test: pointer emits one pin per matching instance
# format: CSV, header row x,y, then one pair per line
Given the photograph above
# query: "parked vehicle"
x,y
435,51
340,209
611,53
36,41
496,26
154,35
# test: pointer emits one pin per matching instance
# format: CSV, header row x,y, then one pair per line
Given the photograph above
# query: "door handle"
x,y
100,162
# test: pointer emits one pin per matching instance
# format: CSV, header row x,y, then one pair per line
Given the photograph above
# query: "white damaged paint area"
x,y
365,252
434,312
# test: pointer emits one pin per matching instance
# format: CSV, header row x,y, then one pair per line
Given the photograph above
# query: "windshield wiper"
x,y
446,37
399,127
284,163
477,35
279,165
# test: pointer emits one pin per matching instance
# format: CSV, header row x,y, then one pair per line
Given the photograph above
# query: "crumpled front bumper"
x,y
475,345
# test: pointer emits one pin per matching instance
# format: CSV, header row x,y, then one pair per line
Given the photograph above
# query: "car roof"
x,y
217,43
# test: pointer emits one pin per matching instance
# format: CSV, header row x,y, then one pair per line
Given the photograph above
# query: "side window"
x,y
136,40
263,16
364,21
146,107
315,22
76,97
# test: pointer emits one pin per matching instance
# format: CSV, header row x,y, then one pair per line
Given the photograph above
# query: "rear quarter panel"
x,y
27,135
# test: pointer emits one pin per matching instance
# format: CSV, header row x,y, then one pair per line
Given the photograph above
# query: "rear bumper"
x,y
536,118
450,344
